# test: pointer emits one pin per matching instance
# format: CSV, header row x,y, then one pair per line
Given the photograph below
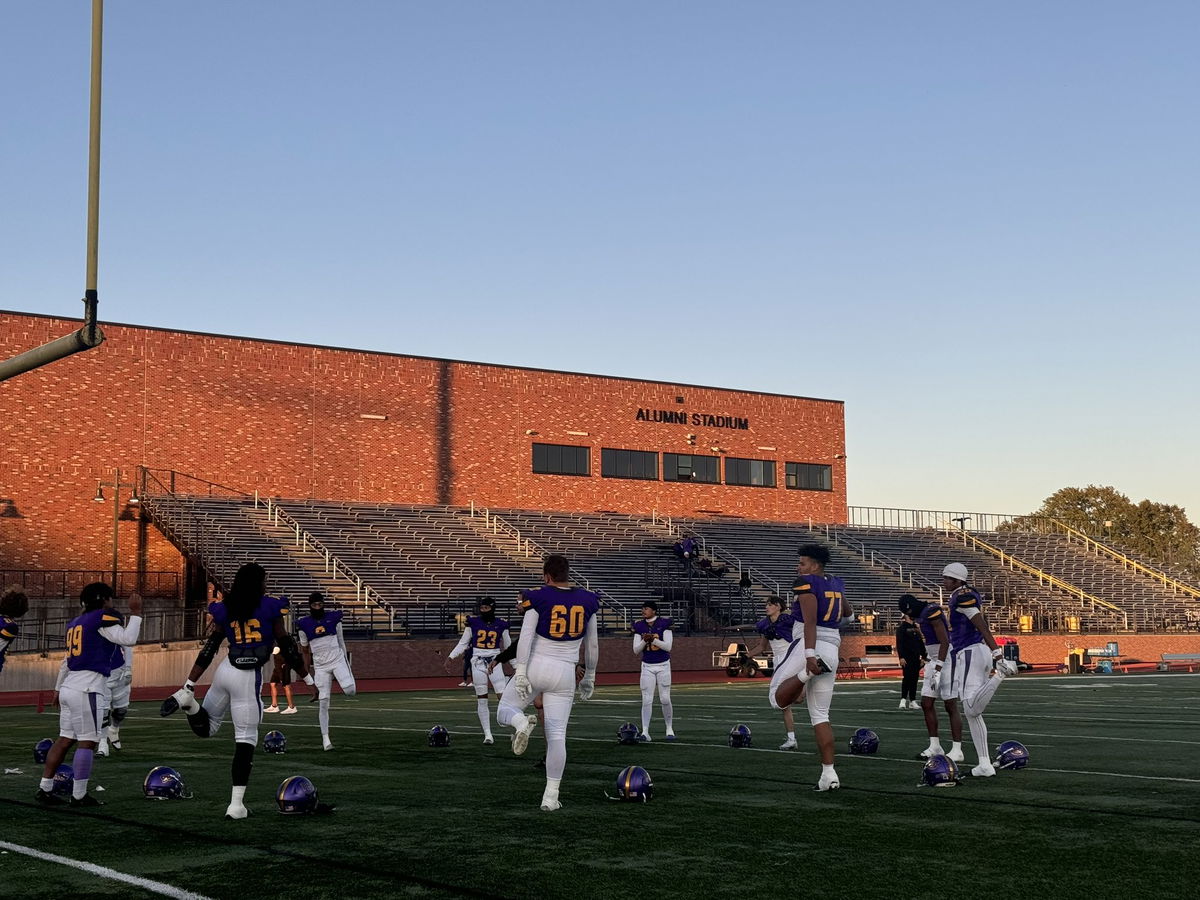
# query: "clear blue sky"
x,y
976,223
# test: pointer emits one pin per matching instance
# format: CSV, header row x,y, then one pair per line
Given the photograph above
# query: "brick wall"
x,y
287,420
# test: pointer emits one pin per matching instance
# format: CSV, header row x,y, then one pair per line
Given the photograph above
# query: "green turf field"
x,y
1109,807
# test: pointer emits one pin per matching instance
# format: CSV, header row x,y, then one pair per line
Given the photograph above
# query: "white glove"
x,y
935,674
524,688
587,686
998,653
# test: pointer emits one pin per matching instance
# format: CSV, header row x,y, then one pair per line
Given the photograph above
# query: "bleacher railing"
x,y
840,538
53,584
528,547
917,519
1098,547
48,635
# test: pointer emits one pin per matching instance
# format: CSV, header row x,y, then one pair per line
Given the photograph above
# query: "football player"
x,y
976,673
485,636
116,698
776,628
810,665
325,651
507,655
13,605
930,619
652,641
559,620
91,637
252,623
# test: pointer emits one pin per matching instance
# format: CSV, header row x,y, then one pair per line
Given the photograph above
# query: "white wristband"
x,y
810,654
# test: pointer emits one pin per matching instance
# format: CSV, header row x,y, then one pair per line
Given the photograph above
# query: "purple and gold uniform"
x,y
930,614
778,633
653,631
486,635
8,633
87,649
563,614
829,591
963,632
326,626
252,639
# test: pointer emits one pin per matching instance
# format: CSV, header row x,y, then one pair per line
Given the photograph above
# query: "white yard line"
x,y
146,884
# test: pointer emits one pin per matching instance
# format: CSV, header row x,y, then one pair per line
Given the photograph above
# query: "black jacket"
x,y
909,645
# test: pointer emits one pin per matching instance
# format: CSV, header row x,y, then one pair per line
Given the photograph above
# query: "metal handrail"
x,y
914,579
170,486
1043,577
1103,549
708,548
529,547
333,565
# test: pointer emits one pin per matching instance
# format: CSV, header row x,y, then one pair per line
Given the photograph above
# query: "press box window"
x,y
629,464
752,472
560,459
686,467
808,477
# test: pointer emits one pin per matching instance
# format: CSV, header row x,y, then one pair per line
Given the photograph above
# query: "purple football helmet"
x,y
627,734
1011,755
634,784
42,749
739,736
439,736
165,783
864,741
940,771
64,780
275,742
296,795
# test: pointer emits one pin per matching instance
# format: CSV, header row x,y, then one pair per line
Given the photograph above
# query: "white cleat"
x,y
523,729
930,753
271,709
913,704
326,743
983,770
955,756
291,710
828,783
236,811
1005,668
102,750
789,744
550,801
488,740
903,704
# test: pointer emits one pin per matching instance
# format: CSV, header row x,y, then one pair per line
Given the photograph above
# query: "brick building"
x,y
296,420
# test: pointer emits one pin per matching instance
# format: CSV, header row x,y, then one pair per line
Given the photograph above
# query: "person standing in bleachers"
x,y
910,650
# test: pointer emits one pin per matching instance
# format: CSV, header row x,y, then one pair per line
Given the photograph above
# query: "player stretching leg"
x,y
810,665
484,636
652,640
91,638
252,623
325,651
558,620
776,629
971,667
930,619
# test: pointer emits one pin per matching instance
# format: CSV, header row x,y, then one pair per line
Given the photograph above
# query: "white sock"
x,y
239,791
827,769
46,784
556,760
323,714
935,744
647,708
956,747
79,791
791,735
485,716
979,737
552,787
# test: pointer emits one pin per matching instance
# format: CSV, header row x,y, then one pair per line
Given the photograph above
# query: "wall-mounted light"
x,y
839,456
691,437
8,509
373,416
530,432
99,498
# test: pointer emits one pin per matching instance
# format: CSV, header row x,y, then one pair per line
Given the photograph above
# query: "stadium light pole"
x,y
90,335
116,484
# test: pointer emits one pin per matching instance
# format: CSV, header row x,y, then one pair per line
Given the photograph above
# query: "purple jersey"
x,y
779,630
486,635
563,613
87,649
963,632
325,626
250,640
8,634
930,614
828,590
655,628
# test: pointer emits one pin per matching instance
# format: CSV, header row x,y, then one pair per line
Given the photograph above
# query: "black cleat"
x,y
87,800
169,706
48,799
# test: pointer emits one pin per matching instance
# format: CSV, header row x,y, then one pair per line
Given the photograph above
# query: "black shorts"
x,y
282,673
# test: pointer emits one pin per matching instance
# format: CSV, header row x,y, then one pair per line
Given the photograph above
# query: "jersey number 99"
x,y
566,622
75,640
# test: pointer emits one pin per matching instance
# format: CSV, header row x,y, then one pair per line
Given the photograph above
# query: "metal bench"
x,y
1190,661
